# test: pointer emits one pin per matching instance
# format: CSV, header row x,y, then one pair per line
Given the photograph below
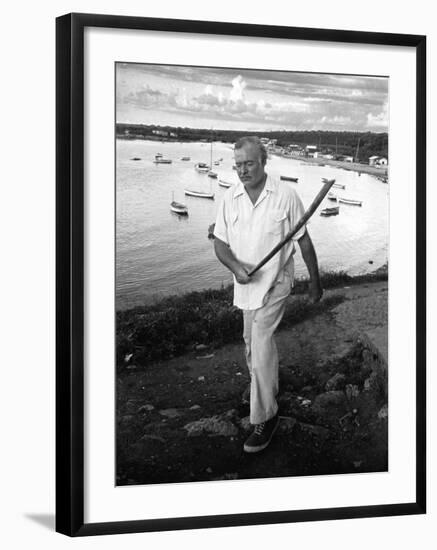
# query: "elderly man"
x,y
254,216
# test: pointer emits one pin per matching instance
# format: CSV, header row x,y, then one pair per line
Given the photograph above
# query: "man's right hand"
x,y
241,274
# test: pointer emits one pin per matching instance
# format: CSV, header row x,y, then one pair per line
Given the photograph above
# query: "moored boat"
x,y
162,161
135,158
289,178
186,158
330,211
332,196
224,183
179,208
350,201
212,174
339,186
201,167
200,194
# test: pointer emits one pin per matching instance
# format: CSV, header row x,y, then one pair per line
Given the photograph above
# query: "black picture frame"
x,y
70,487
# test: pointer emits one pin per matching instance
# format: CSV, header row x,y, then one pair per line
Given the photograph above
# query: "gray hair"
x,y
252,140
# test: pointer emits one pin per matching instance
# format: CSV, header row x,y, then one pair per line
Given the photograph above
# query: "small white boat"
x,y
224,183
179,208
200,194
159,159
331,211
350,201
201,167
212,174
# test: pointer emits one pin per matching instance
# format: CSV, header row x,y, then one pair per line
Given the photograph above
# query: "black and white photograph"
x,y
251,273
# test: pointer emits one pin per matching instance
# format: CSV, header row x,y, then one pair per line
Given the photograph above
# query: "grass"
x,y
176,324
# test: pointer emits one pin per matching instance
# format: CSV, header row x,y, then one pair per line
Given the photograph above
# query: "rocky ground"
x,y
182,419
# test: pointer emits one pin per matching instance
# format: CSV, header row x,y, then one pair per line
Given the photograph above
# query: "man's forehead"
x,y
247,152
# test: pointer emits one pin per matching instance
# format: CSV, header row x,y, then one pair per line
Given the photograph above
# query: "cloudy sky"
x,y
248,99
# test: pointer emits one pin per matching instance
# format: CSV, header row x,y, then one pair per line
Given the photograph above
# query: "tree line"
x,y
357,144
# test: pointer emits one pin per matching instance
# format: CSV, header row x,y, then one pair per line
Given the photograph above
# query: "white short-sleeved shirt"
x,y
252,230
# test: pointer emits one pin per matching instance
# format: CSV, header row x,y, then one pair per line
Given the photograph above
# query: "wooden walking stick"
x,y
307,215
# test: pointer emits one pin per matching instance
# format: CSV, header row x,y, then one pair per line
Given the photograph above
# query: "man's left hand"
x,y
315,292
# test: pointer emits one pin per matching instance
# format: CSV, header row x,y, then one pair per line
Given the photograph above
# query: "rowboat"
x,y
185,158
289,178
201,167
212,174
179,208
332,196
200,194
331,211
350,201
224,183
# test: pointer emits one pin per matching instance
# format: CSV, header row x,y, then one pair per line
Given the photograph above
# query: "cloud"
x,y
237,92
380,120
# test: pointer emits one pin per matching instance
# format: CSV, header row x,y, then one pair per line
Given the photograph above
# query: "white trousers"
x,y
261,352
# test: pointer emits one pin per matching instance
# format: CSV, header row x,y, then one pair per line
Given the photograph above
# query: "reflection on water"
x,y
161,253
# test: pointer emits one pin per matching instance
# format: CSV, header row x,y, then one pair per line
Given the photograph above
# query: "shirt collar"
x,y
269,186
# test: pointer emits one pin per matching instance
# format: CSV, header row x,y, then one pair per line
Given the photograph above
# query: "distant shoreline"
x,y
379,172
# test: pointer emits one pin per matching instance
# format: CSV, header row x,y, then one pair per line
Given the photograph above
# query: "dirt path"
x,y
182,419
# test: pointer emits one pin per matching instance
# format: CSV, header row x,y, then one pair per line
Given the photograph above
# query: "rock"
x,y
201,347
195,407
383,412
286,424
214,425
336,382
209,470
330,401
225,477
153,438
146,408
307,389
126,418
352,391
231,414
170,413
245,424
318,431
306,403
201,379
128,357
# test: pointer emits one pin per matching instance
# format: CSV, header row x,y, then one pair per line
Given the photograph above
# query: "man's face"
x,y
249,166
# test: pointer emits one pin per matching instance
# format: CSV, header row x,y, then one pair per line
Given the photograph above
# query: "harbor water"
x,y
159,253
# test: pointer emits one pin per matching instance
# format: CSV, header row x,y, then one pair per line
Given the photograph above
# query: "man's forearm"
x,y
309,257
227,258
225,255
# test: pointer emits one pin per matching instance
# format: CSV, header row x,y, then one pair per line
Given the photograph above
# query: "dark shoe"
x,y
261,435
245,398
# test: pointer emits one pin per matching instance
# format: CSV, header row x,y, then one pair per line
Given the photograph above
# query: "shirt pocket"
x,y
277,222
